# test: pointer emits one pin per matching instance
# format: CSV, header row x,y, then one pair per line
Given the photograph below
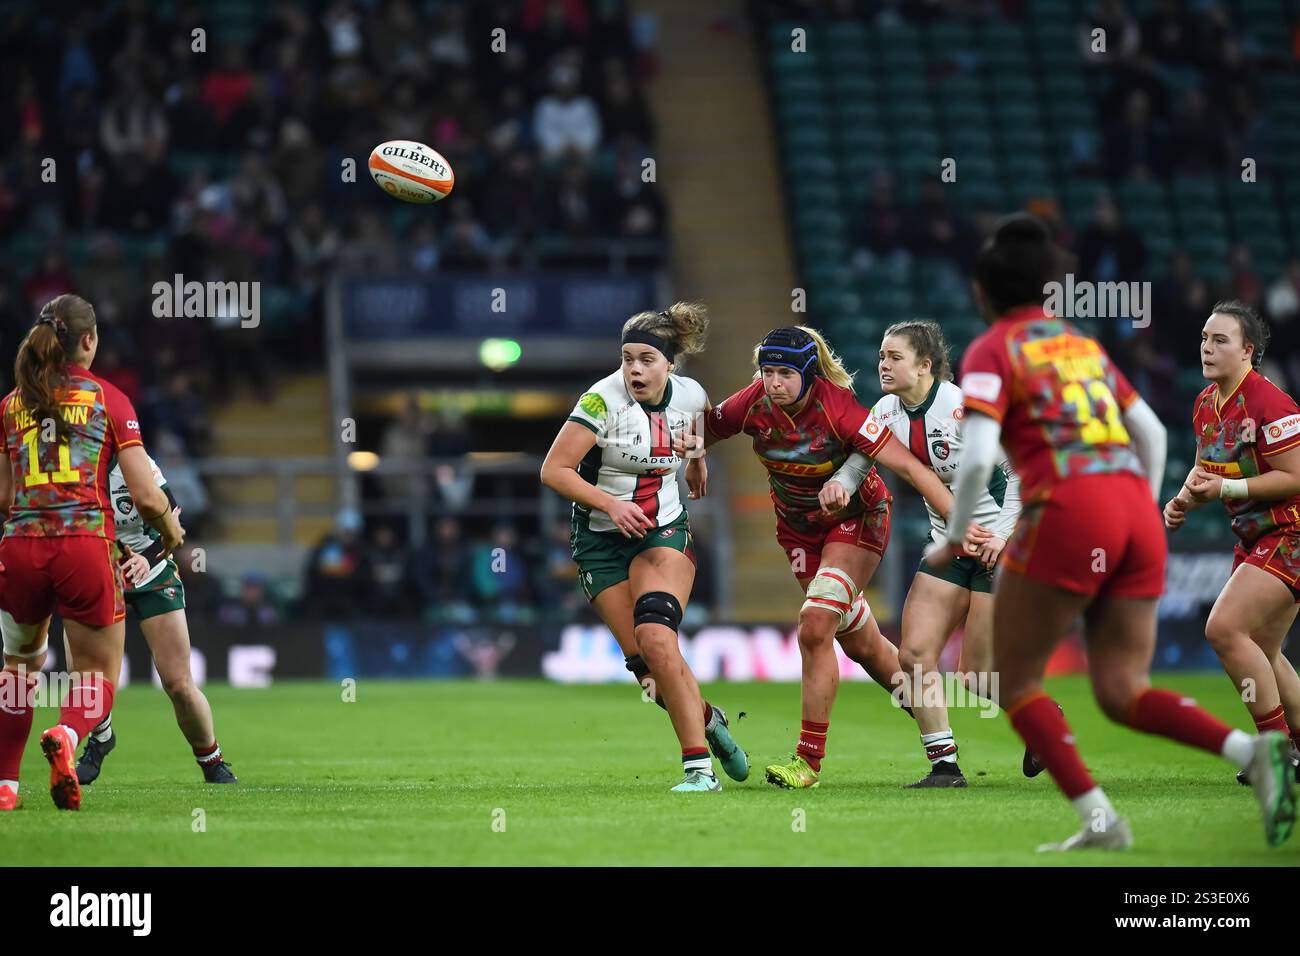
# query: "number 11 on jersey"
x,y
65,473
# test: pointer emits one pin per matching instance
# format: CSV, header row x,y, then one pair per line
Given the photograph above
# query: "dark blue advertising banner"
x,y
463,306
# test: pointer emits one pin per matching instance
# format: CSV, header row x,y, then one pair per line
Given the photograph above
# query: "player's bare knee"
x,y
910,658
816,628
178,687
1115,698
1222,634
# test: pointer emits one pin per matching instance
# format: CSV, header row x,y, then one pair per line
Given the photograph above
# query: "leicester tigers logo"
x,y
940,449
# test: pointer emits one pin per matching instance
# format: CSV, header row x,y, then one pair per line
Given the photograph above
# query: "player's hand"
x,y
1203,486
1175,513
173,535
833,497
134,568
991,550
976,537
630,520
941,555
687,444
697,478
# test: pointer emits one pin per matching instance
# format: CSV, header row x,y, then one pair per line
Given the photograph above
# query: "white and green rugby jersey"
x,y
131,528
932,432
633,458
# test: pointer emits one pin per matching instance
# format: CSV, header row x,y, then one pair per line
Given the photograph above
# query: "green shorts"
x,y
603,557
964,572
164,593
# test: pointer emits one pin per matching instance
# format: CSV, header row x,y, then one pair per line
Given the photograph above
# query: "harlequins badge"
x,y
940,449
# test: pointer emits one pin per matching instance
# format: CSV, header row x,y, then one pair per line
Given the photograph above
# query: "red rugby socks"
x,y
1164,712
812,743
1275,719
87,704
1039,721
15,722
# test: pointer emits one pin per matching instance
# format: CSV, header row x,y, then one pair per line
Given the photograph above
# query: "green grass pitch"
x,y
522,772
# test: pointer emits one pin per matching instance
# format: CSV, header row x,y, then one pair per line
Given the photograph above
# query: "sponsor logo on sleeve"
x,y
984,386
132,425
1282,428
593,405
870,428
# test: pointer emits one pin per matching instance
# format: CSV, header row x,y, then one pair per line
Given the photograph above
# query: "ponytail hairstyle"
x,y
682,327
829,365
927,340
1254,330
44,354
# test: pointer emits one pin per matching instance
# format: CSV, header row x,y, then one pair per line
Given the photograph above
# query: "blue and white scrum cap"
x,y
794,348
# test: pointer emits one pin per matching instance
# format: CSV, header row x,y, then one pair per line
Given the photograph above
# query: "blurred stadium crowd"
x,y
1134,153
228,165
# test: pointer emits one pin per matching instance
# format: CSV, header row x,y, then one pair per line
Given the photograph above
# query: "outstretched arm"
x,y
907,466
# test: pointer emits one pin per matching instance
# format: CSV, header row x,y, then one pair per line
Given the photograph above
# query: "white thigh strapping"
x,y
856,617
832,590
19,636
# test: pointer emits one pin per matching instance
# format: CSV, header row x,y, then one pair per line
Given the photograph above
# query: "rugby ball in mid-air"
x,y
410,171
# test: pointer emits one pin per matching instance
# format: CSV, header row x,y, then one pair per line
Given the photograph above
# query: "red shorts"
x,y
1100,535
803,549
74,575
1278,553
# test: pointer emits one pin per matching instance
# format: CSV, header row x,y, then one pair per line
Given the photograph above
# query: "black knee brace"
x,y
637,665
657,607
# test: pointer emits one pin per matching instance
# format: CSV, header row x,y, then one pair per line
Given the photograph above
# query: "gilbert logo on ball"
x,y
410,171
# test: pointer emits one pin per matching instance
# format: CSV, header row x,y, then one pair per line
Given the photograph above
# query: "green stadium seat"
x,y
846,31
819,220
972,193
780,35
1081,197
854,85
790,62
849,58
1005,86
1011,113
1060,83
1194,189
815,192
970,138
805,137
1024,139
948,37
974,164
1067,116
1142,192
